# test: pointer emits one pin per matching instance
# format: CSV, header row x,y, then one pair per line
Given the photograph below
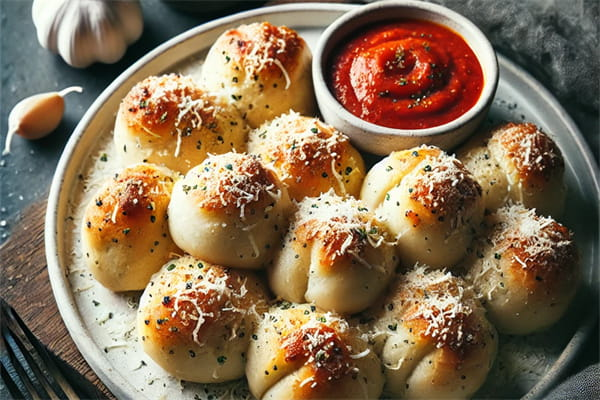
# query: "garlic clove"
x,y
36,116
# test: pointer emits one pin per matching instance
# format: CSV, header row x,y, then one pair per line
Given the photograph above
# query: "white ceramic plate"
x,y
101,322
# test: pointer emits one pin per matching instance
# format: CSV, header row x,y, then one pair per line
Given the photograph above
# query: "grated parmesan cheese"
x,y
344,226
538,236
440,300
533,155
268,46
211,296
445,187
231,181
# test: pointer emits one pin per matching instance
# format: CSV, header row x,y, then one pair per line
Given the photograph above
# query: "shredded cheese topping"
x,y
537,245
265,45
318,340
231,180
537,235
173,102
445,187
204,296
534,155
343,225
441,302
305,150
304,138
133,192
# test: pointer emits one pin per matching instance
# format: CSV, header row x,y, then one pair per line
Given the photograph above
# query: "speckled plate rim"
x,y
177,49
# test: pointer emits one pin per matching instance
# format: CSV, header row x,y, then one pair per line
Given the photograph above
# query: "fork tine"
x,y
35,354
28,352
9,382
8,345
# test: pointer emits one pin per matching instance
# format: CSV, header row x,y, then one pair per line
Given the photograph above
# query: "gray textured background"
x,y
556,40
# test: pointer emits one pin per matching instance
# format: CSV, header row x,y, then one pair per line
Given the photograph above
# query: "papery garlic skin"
x,y
85,31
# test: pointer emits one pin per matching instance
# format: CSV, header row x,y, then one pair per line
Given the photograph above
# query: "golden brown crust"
x,y
443,190
137,196
548,266
196,298
125,235
342,227
309,156
440,309
539,251
526,271
436,339
535,156
325,353
336,242
261,69
429,200
170,120
316,354
517,163
260,47
196,318
335,254
160,107
232,181
440,187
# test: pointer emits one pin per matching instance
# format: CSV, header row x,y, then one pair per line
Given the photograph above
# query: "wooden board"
x,y
24,284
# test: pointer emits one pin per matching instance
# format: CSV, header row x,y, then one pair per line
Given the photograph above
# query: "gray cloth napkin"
x,y
584,385
556,40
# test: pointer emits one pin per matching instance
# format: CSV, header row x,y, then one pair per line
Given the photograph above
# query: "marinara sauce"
x,y
408,74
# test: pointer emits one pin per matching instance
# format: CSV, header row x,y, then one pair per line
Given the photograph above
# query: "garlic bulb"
x,y
36,116
86,31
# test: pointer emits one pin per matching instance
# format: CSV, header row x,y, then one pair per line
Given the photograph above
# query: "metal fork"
x,y
26,367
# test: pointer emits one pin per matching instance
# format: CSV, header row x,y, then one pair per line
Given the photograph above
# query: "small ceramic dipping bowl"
x,y
380,138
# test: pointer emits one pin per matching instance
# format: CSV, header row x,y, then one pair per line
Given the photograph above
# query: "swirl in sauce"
x,y
409,74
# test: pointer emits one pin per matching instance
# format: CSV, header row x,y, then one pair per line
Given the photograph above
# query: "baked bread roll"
x,y
518,163
309,156
125,234
195,319
299,352
263,70
229,210
335,254
526,270
437,342
429,200
170,120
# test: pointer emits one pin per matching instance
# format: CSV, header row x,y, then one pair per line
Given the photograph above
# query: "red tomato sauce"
x,y
408,74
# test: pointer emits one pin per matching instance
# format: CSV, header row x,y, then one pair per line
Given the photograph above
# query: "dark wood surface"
x,y
25,285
